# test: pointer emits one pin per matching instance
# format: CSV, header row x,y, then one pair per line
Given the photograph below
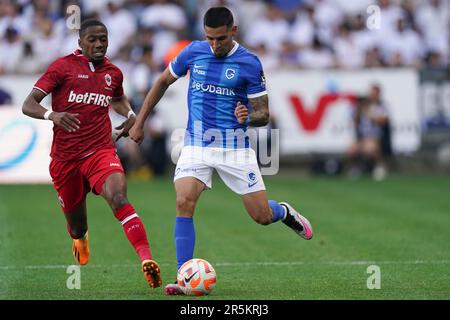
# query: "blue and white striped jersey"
x,y
216,84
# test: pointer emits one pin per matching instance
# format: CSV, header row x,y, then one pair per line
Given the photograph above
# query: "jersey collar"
x,y
232,51
78,53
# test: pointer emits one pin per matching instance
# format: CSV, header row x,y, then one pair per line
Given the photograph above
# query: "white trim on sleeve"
x,y
256,95
173,72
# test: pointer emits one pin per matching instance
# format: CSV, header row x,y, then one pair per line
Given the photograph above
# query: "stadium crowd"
x,y
284,33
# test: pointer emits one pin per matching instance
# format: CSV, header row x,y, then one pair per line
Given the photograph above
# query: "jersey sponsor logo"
x,y
90,98
206,87
229,73
198,71
112,164
83,76
108,79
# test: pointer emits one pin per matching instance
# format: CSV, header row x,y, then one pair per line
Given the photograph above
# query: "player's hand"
x,y
137,133
126,126
241,113
69,121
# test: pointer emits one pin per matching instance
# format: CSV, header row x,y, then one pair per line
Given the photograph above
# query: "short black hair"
x,y
217,17
90,23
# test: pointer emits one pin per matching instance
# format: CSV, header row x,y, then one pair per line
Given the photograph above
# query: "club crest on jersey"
x,y
108,79
252,179
229,73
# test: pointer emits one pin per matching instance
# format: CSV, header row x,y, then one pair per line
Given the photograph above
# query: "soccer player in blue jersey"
x,y
226,94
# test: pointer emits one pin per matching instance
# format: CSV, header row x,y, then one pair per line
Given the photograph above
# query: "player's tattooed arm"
x,y
32,108
260,114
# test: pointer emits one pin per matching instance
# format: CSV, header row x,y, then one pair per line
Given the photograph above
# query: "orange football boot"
x,y
80,250
152,273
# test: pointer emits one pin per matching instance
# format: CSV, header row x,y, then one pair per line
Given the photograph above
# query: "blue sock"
x,y
278,210
184,239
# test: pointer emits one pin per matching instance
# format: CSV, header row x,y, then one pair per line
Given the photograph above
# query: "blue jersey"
x,y
216,84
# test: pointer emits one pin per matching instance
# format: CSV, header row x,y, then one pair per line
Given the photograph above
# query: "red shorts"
x,y
74,179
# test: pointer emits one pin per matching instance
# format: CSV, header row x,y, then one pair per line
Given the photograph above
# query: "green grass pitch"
x,y
401,225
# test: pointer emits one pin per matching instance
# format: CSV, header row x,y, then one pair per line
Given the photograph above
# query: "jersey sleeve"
x,y
256,82
51,78
118,91
179,66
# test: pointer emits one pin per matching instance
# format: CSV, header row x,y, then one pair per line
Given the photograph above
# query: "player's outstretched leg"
x,y
114,191
188,190
297,222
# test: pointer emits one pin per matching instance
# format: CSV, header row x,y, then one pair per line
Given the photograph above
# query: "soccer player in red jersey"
x,y
83,86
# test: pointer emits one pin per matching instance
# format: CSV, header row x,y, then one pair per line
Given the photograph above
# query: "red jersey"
x,y
77,86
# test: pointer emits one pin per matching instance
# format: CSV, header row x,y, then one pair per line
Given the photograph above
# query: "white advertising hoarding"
x,y
312,109
24,147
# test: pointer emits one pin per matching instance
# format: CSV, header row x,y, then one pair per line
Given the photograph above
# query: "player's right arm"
x,y
32,107
153,96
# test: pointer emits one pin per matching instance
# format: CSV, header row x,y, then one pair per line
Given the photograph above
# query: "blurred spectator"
x,y
372,137
121,26
11,47
168,21
348,54
269,60
327,18
364,38
373,58
5,97
402,47
31,62
174,50
390,13
11,17
317,57
142,76
271,30
302,31
410,31
43,38
246,13
433,20
288,7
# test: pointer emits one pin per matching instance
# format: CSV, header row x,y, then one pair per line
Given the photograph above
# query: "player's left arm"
x,y
259,116
123,107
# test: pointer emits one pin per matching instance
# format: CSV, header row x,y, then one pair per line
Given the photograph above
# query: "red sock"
x,y
134,230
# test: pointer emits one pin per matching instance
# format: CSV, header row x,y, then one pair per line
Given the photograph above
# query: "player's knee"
x,y
118,200
185,205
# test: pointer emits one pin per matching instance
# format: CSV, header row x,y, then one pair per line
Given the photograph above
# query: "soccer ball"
x,y
196,277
